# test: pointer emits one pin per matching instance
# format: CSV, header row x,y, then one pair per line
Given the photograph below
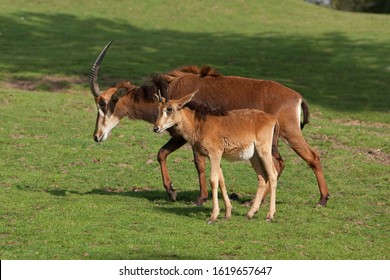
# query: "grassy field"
x,y
62,196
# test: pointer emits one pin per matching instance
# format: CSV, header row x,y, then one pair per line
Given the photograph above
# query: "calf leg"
x,y
225,196
279,166
261,188
214,180
272,178
262,162
172,145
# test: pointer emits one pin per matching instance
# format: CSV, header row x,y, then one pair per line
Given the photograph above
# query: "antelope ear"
x,y
184,100
119,93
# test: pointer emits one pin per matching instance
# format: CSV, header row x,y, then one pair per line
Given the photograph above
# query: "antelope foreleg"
x,y
172,145
200,165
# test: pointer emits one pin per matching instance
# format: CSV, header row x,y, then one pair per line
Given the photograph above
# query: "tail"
x,y
305,112
278,161
275,138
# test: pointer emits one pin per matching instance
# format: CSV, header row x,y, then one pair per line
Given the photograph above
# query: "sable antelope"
x,y
244,134
231,92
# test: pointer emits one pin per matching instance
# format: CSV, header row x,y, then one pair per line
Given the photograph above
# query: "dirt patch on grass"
x,y
45,83
370,153
375,154
378,155
361,123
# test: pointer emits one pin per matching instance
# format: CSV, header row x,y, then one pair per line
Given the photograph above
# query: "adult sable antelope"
x,y
243,134
230,92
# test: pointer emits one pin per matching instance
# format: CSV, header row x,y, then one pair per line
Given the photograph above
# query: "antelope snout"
x,y
100,137
156,129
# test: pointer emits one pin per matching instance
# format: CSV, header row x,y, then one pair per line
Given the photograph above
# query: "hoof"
x,y
323,201
200,201
172,196
269,220
251,213
249,217
270,217
211,221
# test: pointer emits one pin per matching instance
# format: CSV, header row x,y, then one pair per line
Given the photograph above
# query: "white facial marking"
x,y
105,125
109,124
164,121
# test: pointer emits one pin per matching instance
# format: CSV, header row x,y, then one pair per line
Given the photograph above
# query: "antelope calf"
x,y
242,134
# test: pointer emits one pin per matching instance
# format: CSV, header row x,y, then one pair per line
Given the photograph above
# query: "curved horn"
x,y
93,85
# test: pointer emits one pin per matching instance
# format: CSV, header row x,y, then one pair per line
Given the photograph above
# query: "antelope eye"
x,y
102,106
169,110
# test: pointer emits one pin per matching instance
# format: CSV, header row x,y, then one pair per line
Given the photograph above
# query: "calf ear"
x,y
184,100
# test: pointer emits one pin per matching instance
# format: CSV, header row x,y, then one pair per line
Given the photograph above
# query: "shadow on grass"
x,y
329,70
185,205
158,197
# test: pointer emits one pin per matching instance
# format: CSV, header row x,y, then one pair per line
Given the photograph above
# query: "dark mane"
x,y
202,110
204,71
145,92
160,82
125,85
208,71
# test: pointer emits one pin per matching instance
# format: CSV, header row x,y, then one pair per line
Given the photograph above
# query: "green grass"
x,y
65,197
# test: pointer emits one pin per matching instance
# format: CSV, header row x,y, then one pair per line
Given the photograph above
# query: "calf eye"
x,y
169,110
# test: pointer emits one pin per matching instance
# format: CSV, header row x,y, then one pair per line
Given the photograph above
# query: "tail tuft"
x,y
276,135
306,114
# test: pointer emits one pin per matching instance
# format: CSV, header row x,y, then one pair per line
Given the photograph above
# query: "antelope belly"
x,y
240,154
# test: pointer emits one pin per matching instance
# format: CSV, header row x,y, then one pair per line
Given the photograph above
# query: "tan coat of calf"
x,y
245,134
